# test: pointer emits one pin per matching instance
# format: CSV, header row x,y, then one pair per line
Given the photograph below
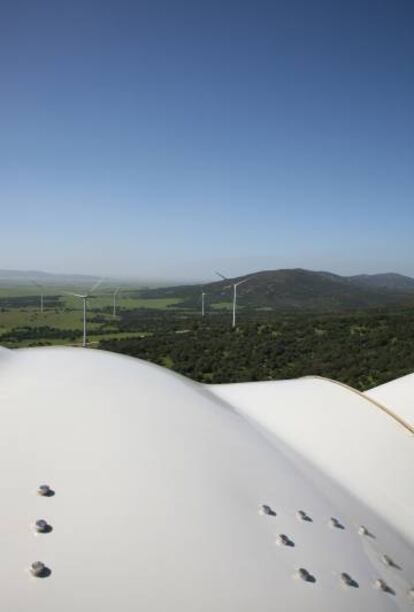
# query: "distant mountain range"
x,y
384,281
10,277
298,289
283,290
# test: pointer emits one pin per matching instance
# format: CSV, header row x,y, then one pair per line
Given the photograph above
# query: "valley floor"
x,y
362,348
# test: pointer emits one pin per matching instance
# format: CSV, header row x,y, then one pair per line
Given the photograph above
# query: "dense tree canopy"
x,y
363,349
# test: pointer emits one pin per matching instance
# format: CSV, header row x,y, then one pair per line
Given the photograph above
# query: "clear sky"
x,y
166,138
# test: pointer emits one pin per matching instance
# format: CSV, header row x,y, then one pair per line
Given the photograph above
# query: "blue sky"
x,y
165,139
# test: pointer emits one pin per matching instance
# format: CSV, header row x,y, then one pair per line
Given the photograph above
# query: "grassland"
x,y
361,348
222,305
63,315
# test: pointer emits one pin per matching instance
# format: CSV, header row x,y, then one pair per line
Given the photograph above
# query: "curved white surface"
x,y
341,433
157,488
397,395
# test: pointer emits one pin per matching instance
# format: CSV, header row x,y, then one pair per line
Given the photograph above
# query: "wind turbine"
x,y
84,297
42,290
234,285
202,303
114,303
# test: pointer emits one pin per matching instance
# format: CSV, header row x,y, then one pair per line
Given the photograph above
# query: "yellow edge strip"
x,y
377,404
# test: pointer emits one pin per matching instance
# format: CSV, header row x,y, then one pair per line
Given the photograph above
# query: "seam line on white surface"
x,y
377,404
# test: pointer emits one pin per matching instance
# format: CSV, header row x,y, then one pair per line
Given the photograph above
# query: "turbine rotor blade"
x,y
78,295
222,276
242,281
36,283
96,285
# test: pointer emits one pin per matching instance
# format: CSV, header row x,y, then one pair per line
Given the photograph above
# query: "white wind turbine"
x,y
42,291
117,290
203,295
234,285
84,297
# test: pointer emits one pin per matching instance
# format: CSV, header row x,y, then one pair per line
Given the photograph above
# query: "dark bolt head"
x,y
348,580
264,509
285,540
42,526
39,570
365,532
383,586
45,491
303,516
386,559
305,575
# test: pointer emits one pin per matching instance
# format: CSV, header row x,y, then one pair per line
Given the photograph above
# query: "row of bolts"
x,y
39,569
305,575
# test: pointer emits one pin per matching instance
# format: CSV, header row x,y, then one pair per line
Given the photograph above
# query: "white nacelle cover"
x,y
172,496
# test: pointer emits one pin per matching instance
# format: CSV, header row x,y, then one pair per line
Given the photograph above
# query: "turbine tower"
x,y
42,291
84,297
202,303
114,301
234,285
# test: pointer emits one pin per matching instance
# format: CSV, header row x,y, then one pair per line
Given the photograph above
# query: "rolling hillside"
x,y
298,289
384,281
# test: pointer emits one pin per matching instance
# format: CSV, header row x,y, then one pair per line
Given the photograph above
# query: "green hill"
x,y
298,289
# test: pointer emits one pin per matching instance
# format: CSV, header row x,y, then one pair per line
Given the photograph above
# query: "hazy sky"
x,y
167,138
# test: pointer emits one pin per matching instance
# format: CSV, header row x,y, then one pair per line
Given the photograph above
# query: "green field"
x,y
30,318
360,348
20,313
222,305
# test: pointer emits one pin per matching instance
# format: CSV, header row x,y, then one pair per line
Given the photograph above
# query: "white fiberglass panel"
x,y
398,395
166,499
